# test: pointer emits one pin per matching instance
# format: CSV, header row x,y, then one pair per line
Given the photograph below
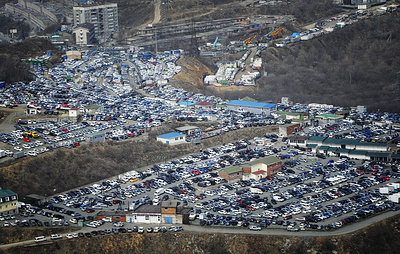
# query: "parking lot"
x,y
312,191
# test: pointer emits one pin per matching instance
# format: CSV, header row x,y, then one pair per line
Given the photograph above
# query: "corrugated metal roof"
x,y
170,135
381,155
6,193
360,152
231,170
251,104
340,141
316,138
267,161
371,144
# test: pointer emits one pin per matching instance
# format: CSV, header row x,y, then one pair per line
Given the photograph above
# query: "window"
x,y
176,138
166,209
146,217
13,198
181,137
7,199
1,200
159,217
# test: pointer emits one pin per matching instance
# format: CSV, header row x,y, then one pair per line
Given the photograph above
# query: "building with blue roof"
x,y
250,106
172,138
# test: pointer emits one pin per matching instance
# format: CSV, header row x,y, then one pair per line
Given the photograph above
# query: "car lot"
x,y
326,194
312,192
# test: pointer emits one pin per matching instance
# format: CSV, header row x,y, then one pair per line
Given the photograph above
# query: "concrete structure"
x,y
74,54
95,137
188,130
172,138
8,202
231,173
252,107
172,213
289,129
84,34
114,215
104,18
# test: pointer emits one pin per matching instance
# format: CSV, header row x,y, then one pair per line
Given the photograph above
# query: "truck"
x,y
2,153
19,154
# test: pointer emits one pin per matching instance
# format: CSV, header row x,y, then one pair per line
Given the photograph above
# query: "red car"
x,y
27,139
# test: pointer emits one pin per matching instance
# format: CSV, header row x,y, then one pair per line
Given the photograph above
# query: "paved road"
x,y
236,230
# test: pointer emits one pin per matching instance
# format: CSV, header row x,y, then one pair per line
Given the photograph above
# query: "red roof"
x,y
204,103
74,109
260,172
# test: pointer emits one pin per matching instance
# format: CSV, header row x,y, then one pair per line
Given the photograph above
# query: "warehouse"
x,y
252,107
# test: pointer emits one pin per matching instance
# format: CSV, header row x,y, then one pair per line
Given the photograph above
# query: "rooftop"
x,y
171,135
231,170
6,193
267,161
148,209
251,104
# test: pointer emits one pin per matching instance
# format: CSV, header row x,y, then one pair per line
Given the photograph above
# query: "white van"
x,y
159,191
39,239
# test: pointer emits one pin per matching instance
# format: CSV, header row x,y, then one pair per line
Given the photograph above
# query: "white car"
x,y
69,236
55,236
255,228
17,148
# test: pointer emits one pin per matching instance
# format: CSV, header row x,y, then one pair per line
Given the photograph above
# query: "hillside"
x,y
12,69
65,169
382,237
356,65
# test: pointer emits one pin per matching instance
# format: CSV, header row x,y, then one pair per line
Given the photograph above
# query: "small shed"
x,y
95,137
115,215
172,138
188,130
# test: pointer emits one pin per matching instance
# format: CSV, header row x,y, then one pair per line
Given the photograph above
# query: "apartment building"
x,y
103,17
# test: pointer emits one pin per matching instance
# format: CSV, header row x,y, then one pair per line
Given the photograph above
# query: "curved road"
x,y
237,230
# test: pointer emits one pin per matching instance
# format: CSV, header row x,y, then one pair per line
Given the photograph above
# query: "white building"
x,y
84,34
172,138
103,17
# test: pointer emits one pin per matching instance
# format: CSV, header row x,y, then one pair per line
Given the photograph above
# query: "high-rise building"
x,y
103,17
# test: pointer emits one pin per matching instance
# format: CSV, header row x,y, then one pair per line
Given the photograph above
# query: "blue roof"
x,y
251,104
170,135
186,103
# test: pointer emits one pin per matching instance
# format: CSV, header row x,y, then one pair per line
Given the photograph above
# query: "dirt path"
x,y
157,12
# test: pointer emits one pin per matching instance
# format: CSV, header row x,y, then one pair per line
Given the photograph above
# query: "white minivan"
x,y
39,239
159,191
